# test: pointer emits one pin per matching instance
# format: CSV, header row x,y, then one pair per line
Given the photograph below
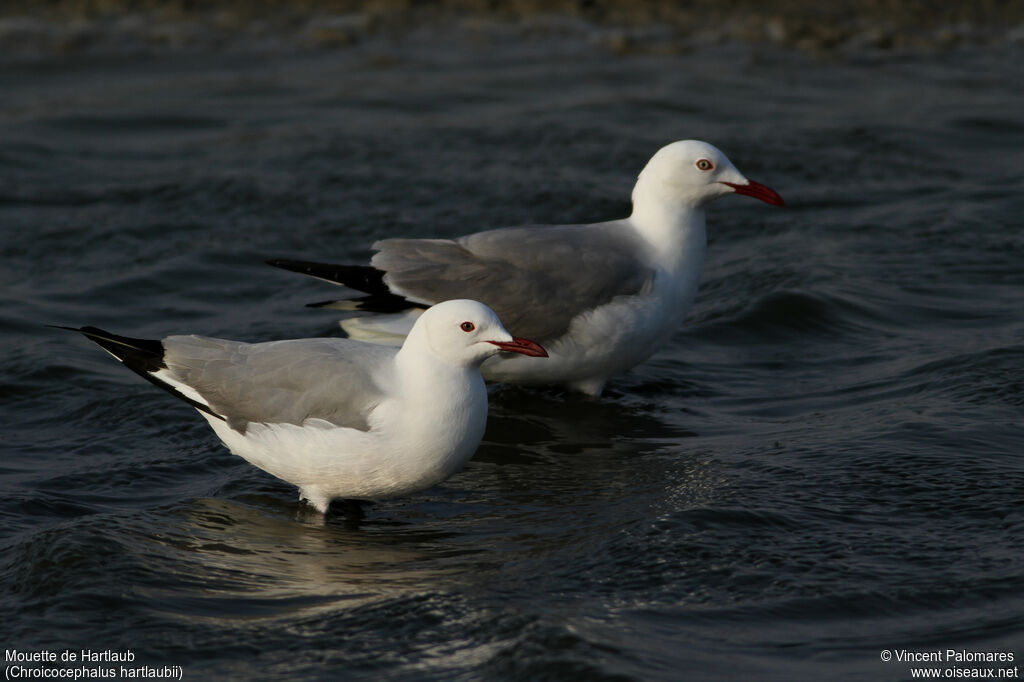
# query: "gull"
x,y
601,297
339,418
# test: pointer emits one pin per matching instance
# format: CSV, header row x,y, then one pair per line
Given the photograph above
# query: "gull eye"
x,y
704,165
467,326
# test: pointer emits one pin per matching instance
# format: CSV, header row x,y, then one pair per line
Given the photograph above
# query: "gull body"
x,y
601,297
339,418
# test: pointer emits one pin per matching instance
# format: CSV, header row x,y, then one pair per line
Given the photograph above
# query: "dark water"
x,y
825,462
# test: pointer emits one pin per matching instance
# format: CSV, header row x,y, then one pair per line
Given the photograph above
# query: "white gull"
x,y
339,418
600,297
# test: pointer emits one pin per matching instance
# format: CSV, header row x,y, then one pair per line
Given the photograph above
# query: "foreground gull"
x,y
336,417
601,297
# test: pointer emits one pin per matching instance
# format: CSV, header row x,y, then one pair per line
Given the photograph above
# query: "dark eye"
x,y
704,165
467,326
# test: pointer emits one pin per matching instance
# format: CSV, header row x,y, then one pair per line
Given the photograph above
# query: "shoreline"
x,y
120,27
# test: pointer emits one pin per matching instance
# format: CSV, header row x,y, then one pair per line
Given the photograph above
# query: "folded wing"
x,y
537,279
335,380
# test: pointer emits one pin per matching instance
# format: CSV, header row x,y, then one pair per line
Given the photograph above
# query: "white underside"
x,y
328,462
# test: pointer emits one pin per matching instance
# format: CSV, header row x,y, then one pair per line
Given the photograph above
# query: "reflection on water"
x,y
227,559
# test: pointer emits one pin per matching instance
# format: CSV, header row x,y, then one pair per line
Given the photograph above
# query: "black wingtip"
x,y
327,271
322,304
139,355
364,278
384,303
142,356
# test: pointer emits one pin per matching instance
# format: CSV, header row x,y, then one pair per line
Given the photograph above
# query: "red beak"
x,y
522,346
758,191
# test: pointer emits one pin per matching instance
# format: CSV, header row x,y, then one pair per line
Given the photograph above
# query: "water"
x,y
825,463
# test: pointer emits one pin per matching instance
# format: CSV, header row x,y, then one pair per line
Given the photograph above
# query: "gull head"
x,y
465,333
690,173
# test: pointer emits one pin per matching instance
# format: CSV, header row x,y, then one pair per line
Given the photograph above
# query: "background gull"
x,y
601,297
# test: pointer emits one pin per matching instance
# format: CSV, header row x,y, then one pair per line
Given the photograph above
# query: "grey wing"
x,y
336,380
537,278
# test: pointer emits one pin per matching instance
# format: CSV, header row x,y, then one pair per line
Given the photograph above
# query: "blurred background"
x,y
35,28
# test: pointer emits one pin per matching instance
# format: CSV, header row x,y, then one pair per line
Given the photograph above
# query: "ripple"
x,y
824,462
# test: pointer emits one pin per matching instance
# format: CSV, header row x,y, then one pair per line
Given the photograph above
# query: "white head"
x,y
690,173
465,333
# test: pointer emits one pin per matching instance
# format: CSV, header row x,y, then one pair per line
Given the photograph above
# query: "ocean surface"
x,y
823,466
